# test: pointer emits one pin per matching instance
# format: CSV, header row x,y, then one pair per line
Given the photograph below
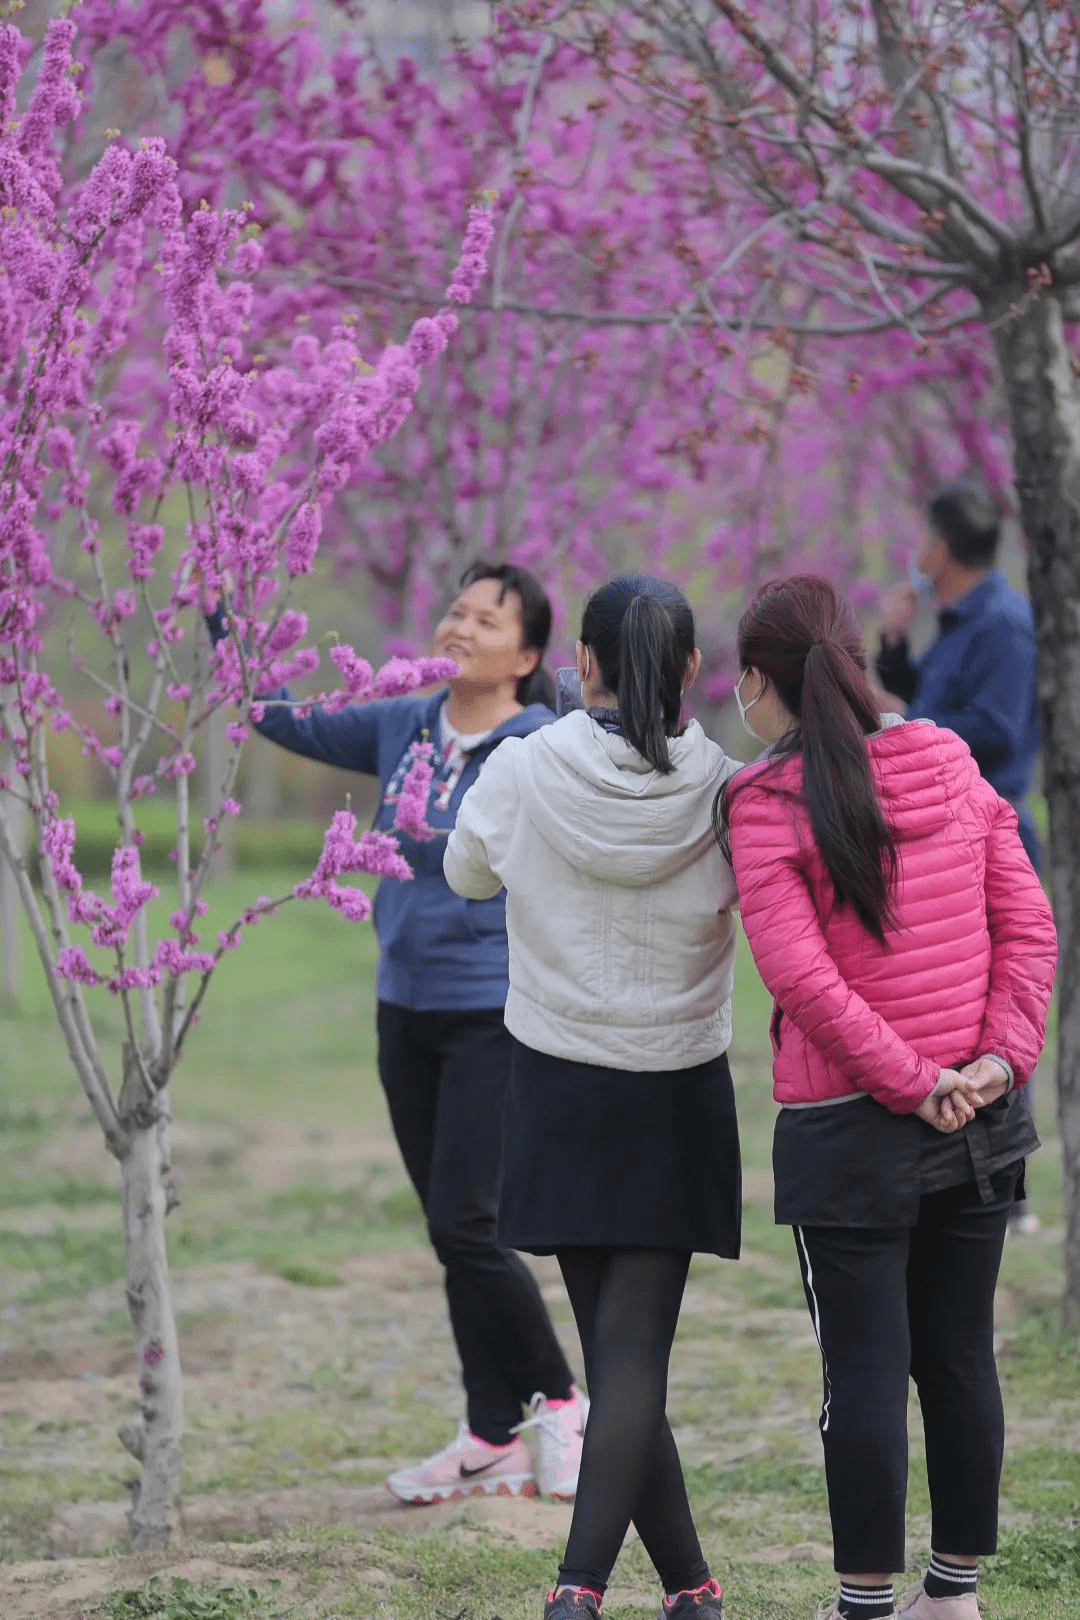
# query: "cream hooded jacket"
x,y
618,901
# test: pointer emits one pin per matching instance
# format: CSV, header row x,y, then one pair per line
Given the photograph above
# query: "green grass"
x,y
254,843
179,1599
317,1348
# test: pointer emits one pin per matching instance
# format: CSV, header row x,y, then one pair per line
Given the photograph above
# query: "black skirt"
x,y
856,1164
606,1157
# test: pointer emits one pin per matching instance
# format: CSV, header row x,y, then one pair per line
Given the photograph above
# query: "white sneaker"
x,y
468,1466
915,1605
559,1433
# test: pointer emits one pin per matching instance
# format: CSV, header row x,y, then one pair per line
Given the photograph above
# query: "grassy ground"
x,y
318,1355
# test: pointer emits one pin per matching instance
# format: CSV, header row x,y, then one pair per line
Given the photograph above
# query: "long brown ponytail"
x,y
804,637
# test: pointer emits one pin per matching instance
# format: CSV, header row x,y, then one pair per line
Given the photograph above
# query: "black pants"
x,y
445,1075
892,1302
626,1304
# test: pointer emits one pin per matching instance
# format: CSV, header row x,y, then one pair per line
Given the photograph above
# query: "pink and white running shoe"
x,y
559,1427
468,1466
915,1605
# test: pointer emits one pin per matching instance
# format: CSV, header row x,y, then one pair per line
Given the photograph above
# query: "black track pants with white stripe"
x,y
892,1303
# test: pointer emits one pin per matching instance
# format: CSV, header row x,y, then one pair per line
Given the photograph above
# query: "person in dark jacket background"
x,y
978,677
444,1053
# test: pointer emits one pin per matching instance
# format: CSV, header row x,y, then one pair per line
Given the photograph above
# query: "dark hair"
x,y
641,631
966,516
535,613
804,637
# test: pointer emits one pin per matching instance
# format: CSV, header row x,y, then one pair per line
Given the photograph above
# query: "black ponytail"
x,y
641,632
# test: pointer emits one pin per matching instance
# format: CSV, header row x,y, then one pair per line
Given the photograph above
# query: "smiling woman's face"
x,y
483,637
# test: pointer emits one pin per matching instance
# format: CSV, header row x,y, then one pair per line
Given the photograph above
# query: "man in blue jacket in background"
x,y
978,677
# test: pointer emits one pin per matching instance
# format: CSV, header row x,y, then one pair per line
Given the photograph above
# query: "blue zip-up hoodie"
x,y
436,950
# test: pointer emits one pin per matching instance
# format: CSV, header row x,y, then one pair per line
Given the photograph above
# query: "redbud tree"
x,y
142,395
910,167
589,416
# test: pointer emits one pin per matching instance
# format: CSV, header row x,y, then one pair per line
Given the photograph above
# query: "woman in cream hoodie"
x,y
620,1151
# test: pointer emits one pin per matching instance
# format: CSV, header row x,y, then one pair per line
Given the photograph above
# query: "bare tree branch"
x,y
85,1061
669,317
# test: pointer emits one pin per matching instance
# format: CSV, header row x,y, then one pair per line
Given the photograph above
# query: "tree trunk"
x,y
156,1440
1044,408
10,951
216,753
10,912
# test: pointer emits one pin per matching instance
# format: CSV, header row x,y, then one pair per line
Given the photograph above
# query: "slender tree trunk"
x,y
216,751
261,792
10,952
10,947
1044,407
155,1441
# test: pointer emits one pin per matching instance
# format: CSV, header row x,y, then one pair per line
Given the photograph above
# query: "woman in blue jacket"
x,y
444,1054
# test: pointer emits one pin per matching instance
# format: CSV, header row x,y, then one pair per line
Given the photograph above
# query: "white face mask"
x,y
744,708
921,581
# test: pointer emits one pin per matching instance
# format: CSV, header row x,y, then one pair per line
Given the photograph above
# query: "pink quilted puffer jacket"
x,y
968,971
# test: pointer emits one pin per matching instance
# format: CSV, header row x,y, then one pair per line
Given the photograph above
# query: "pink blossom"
x,y
426,340
143,540
355,672
290,628
117,448
397,677
343,852
134,978
302,540
72,963
58,844
411,811
54,101
432,671
172,959
130,891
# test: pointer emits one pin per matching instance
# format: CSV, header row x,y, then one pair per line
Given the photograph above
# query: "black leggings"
x,y
897,1301
445,1076
626,1304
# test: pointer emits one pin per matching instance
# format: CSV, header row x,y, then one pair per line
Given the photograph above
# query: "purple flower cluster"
x,y
473,262
410,815
374,853
399,676
109,925
302,540
356,676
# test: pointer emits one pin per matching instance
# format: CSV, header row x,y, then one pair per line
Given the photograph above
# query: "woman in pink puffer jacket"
x,y
910,951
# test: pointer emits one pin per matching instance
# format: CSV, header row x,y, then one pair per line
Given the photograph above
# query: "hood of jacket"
x,y
919,770
593,797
